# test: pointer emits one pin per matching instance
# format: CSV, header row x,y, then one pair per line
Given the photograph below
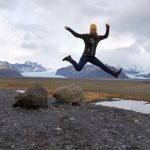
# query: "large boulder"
x,y
69,94
33,97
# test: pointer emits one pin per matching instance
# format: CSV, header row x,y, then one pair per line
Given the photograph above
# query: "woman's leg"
x,y
78,66
98,63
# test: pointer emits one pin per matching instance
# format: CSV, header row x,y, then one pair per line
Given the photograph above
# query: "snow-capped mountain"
x,y
133,70
8,70
7,65
137,73
29,66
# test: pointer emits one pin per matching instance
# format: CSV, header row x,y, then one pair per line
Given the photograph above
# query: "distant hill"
x,y
9,73
89,71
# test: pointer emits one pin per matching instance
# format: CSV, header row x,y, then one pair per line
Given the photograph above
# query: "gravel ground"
x,y
67,127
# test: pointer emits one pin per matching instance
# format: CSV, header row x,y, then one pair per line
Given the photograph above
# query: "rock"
x,y
72,118
33,97
136,121
58,129
69,94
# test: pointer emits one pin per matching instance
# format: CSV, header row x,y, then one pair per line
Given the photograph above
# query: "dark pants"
x,y
93,60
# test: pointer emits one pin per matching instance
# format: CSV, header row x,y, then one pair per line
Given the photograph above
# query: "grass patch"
x,y
94,89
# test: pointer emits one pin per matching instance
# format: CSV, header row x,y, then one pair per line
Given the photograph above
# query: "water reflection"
x,y
138,106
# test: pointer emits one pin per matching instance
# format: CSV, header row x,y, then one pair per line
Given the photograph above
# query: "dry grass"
x,y
94,89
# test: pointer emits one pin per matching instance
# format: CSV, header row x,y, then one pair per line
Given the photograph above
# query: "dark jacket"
x,y
90,41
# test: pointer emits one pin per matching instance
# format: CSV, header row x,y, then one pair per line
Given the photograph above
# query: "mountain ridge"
x,y
28,66
89,71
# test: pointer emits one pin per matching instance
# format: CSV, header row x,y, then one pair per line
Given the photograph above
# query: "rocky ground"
x,y
67,127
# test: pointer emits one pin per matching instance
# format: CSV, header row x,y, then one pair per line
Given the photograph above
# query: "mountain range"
x,y
90,71
15,70
29,66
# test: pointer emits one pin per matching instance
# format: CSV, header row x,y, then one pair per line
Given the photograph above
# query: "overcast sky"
x,y
34,30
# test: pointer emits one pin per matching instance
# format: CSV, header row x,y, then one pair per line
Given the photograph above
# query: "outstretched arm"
x,y
74,33
106,33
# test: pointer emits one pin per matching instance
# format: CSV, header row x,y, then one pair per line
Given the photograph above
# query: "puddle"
x,y
20,91
138,106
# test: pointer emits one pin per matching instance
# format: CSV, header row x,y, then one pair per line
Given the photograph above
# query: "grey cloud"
x,y
50,5
29,46
39,36
30,27
97,8
146,45
41,47
133,19
132,49
28,37
50,48
7,4
42,28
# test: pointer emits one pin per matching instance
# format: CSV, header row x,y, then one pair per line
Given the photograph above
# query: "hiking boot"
x,y
117,73
68,58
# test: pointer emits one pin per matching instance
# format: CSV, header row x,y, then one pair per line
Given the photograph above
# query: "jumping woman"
x,y
91,41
